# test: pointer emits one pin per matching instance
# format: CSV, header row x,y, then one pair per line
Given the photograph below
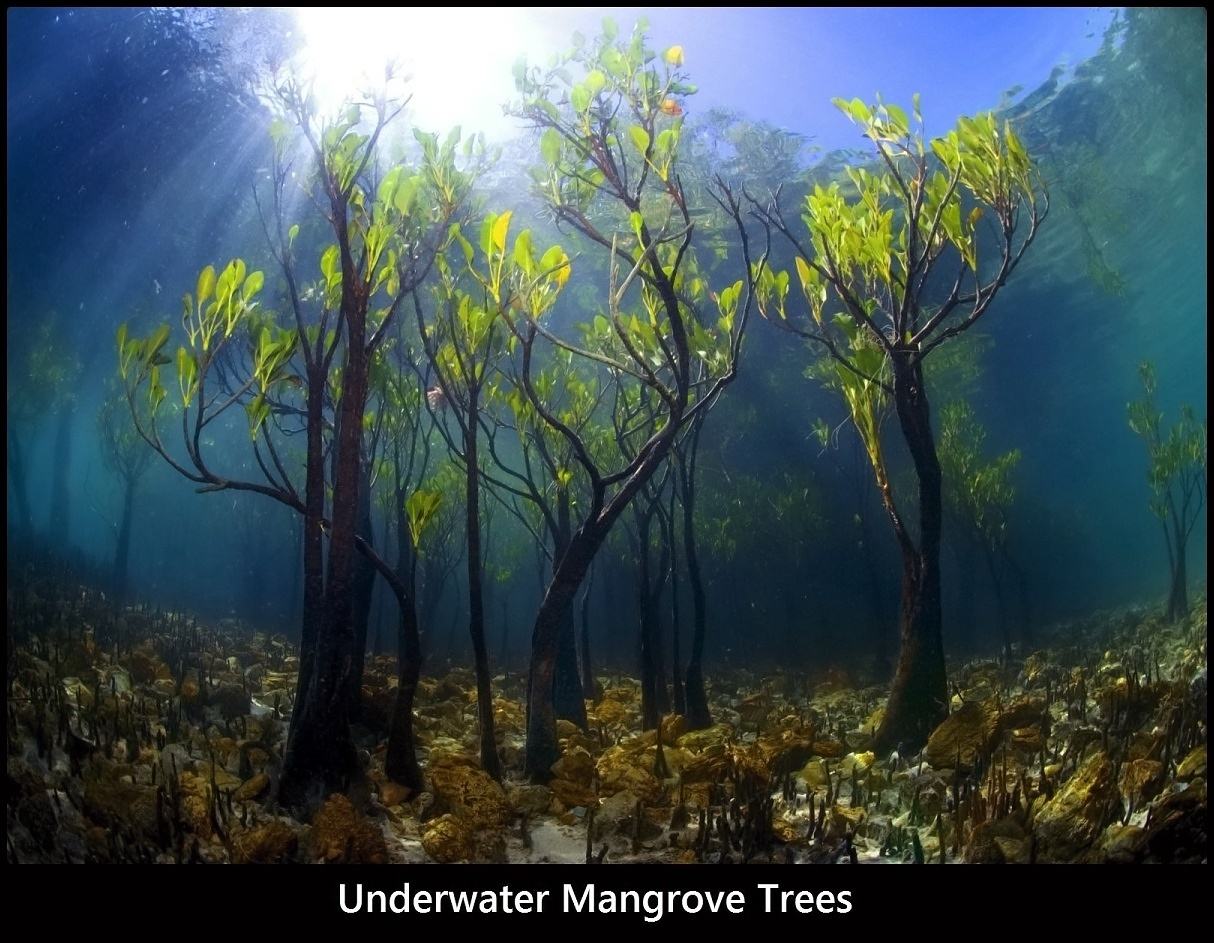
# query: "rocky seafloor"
x,y
145,736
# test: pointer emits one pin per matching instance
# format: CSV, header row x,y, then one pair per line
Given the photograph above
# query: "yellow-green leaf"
x,y
206,284
500,227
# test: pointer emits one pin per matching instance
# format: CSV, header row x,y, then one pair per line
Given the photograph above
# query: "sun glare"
x,y
458,60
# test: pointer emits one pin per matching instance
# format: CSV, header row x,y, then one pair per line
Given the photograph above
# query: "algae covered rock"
x,y
341,835
1120,844
573,774
1178,831
710,766
996,842
963,738
698,740
271,843
115,804
470,793
530,798
1068,824
577,766
252,789
787,752
619,771
1140,781
448,839
1192,765
231,700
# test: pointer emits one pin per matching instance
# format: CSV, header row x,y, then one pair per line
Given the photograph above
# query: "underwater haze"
x,y
619,421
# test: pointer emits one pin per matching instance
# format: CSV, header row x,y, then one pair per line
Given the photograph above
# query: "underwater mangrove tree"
x,y
311,377
893,263
610,143
126,455
1176,471
978,496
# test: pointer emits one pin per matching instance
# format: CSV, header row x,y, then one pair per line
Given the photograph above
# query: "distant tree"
x,y
1176,471
125,453
463,340
871,265
978,497
39,385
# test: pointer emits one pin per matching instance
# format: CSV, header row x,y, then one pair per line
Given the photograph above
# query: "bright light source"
x,y
459,59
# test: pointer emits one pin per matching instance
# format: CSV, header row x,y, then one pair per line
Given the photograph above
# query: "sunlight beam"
x,y
459,61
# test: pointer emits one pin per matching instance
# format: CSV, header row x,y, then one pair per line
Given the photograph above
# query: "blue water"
x,y
134,139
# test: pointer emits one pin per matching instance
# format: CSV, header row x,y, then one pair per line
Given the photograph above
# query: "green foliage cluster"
x,y
1176,466
979,491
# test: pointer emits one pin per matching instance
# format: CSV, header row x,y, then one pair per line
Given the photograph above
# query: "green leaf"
x,y
522,251
595,81
329,263
156,341
253,284
640,138
292,233
420,508
556,264
636,220
406,193
206,284
500,227
579,98
550,146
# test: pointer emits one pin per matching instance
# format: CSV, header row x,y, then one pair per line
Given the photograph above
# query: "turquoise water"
x,y
134,140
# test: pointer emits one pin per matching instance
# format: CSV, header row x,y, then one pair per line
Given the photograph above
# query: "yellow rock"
x,y
814,773
341,834
844,820
1073,819
609,713
1028,738
697,740
1141,780
577,766
673,727
529,798
964,737
572,794
470,793
448,839
252,789
860,762
271,843
618,773
786,752
709,767
1193,765
787,831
